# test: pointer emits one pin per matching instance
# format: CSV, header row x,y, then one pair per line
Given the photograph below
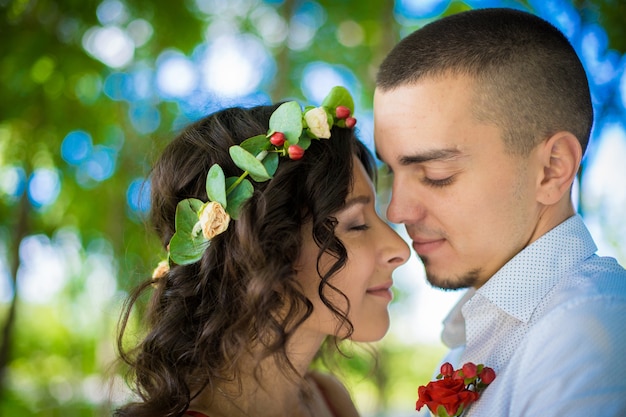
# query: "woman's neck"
x,y
265,389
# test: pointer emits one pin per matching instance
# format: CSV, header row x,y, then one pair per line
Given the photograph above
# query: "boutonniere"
x,y
454,390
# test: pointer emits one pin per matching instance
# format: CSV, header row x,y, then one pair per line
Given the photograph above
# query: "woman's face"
x,y
374,252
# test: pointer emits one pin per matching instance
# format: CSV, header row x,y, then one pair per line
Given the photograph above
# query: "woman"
x,y
275,262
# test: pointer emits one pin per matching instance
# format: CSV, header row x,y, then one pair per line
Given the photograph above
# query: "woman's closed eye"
x,y
354,218
359,227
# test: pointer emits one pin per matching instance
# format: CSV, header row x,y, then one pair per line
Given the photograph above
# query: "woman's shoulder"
x,y
335,393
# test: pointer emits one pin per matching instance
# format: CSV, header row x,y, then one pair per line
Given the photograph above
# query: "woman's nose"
x,y
396,251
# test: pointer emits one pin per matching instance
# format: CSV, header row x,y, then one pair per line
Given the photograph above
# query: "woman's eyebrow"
x,y
359,199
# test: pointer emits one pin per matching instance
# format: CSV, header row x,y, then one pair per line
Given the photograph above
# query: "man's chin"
x,y
451,282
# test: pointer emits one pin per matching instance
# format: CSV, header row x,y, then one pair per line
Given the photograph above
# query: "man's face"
x,y
468,205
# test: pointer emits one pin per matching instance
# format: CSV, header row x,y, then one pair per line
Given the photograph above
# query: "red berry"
x,y
446,369
295,152
350,122
487,375
277,138
469,370
342,112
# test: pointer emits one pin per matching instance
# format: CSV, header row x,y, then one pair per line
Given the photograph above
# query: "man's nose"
x,y
405,206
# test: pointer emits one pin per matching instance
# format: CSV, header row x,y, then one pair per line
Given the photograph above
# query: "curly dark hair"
x,y
204,317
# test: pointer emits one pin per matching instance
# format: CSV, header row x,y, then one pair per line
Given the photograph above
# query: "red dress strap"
x,y
195,414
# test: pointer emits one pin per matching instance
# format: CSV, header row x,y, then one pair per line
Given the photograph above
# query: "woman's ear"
x,y
560,156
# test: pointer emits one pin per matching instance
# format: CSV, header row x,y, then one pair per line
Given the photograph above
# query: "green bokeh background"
x,y
56,353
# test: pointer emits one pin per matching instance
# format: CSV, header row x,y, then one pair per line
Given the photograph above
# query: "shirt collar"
x,y
519,286
453,333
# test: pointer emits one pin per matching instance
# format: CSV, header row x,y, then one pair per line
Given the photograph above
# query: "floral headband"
x,y
290,133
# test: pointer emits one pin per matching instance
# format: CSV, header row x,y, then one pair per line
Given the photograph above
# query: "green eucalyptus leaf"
x,y
287,118
271,163
238,196
215,185
305,142
187,246
338,96
256,144
187,214
247,162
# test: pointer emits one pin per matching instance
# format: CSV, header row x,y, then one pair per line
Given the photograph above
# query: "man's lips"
x,y
382,290
427,246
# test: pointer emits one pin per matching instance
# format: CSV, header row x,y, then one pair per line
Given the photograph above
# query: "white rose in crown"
x,y
317,122
213,219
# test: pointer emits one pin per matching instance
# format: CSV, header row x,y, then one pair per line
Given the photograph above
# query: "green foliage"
x,y
610,14
50,86
216,185
339,97
241,193
247,162
255,145
187,244
383,377
287,119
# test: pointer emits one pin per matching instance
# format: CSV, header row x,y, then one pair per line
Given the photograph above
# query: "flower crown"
x,y
290,133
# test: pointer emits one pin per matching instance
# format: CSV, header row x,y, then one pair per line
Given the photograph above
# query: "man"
x,y
483,118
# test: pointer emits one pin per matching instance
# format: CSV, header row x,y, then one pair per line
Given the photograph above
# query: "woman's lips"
x,y
383,291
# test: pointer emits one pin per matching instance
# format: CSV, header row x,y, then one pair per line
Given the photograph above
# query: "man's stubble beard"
x,y
451,283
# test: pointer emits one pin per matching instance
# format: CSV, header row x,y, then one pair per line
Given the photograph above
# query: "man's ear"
x,y
560,156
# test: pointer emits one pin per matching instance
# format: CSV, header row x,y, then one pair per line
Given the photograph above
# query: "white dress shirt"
x,y
552,324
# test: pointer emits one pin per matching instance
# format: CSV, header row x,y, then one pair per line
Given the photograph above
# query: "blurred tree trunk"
x,y
20,231
390,35
283,64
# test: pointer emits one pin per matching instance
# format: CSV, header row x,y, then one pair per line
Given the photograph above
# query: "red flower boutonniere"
x,y
454,391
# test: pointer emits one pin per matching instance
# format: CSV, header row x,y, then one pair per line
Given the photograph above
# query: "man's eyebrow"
x,y
433,155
